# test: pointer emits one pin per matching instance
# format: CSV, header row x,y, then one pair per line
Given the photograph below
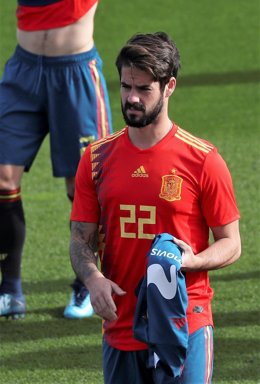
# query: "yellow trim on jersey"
x,y
192,140
97,144
94,164
107,139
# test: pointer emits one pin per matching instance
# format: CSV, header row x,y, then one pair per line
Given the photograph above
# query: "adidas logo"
x,y
140,172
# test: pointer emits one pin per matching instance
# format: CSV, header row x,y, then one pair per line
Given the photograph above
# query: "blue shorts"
x,y
121,367
64,96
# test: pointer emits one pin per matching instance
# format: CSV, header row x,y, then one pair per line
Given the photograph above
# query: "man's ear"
x,y
170,87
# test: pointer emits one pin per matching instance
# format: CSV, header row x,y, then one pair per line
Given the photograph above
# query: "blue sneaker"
x,y
12,306
79,306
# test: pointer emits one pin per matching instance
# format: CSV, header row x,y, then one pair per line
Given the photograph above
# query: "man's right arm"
x,y
83,246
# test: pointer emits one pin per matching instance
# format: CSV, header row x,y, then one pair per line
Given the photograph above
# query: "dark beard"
x,y
146,119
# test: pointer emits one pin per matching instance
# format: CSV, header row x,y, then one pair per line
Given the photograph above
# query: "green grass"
x,y
217,98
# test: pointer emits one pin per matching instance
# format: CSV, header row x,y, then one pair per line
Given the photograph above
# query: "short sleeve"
x,y
85,206
217,192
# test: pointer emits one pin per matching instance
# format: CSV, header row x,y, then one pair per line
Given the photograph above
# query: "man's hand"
x,y
101,290
189,261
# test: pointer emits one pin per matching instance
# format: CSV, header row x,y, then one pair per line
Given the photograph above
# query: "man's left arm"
x,y
225,250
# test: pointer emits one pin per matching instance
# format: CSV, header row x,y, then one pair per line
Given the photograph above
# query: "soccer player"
x,y
53,84
151,177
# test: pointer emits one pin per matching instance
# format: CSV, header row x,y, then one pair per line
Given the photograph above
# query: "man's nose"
x,y
133,97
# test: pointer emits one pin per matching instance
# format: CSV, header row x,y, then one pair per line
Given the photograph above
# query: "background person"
x,y
52,84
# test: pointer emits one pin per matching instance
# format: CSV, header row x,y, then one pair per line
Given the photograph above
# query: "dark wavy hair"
x,y
154,53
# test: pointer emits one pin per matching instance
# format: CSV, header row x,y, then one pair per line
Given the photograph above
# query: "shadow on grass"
x,y
25,330
236,319
65,358
44,286
235,360
238,77
28,330
208,79
217,276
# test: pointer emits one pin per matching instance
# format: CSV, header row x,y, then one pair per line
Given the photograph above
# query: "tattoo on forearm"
x,y
83,247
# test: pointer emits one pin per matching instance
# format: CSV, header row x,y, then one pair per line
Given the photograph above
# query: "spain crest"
x,y
171,187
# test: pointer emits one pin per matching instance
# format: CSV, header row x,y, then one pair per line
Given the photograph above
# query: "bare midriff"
x,y
71,39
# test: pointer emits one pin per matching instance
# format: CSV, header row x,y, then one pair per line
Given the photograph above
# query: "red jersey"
x,y
181,186
35,15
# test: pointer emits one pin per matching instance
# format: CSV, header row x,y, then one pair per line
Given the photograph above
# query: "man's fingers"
x,y
117,290
106,311
181,244
103,303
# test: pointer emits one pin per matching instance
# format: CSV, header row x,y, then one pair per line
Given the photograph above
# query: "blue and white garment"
x,y
160,316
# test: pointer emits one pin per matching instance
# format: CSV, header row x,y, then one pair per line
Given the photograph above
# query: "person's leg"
x,y
22,130
121,367
12,235
79,305
198,366
78,113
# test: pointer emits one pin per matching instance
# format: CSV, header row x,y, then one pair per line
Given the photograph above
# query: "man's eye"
x,y
146,89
